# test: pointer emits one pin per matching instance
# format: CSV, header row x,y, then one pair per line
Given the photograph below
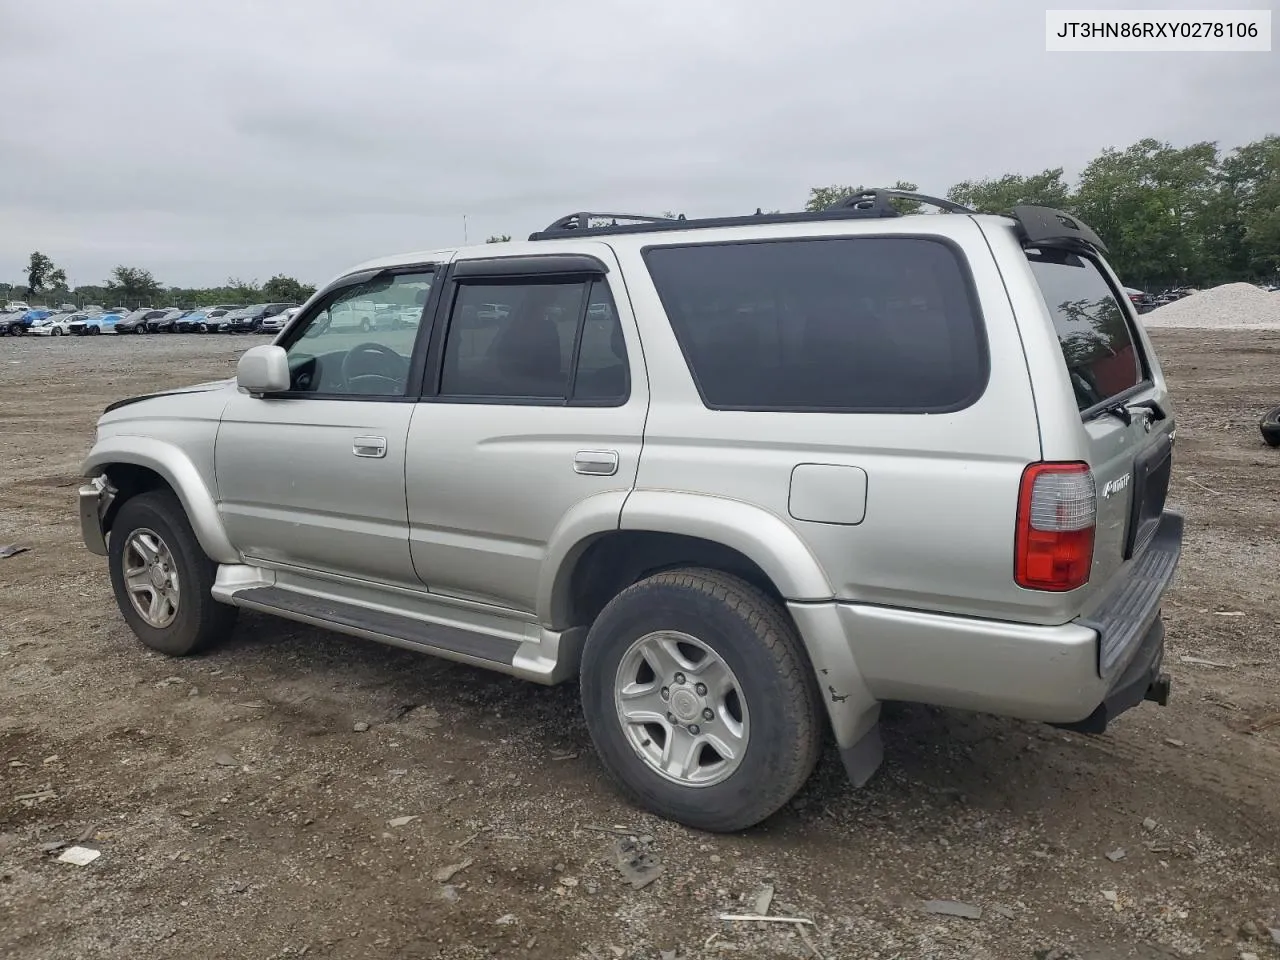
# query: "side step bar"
x,y
469,646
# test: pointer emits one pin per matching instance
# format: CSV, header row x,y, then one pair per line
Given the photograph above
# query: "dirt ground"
x,y
239,813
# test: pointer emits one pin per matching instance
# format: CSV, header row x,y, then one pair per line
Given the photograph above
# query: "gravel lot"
x,y
240,814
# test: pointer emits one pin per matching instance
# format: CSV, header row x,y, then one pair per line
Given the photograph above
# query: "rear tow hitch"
x,y
1158,692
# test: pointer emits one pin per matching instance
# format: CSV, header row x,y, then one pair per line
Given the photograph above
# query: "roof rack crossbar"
x,y
582,220
877,199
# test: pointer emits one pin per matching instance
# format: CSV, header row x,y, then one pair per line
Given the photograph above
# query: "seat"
x,y
528,352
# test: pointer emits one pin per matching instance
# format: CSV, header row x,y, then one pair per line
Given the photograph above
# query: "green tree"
x,y
499,238
1247,217
1152,204
281,288
43,276
1045,189
820,198
242,291
133,286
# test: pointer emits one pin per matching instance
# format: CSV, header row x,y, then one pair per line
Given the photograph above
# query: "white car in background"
x,y
58,325
278,322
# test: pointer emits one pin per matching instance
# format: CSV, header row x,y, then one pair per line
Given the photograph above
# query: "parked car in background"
x,y
1142,301
91,309
118,311
15,306
94,324
18,324
164,323
217,319
249,320
279,321
189,321
136,322
58,325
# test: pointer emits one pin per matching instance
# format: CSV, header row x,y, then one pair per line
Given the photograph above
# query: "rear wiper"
x,y
1125,411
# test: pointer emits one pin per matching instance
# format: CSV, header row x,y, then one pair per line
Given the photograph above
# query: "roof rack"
x,y
862,205
583,219
877,202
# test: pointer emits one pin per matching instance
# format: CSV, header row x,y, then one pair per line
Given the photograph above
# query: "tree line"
x,y
1169,215
136,287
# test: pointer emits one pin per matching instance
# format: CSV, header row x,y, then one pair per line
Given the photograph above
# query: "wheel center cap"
x,y
158,576
686,705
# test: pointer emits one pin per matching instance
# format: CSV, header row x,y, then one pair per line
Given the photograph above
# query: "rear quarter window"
x,y
860,324
1093,329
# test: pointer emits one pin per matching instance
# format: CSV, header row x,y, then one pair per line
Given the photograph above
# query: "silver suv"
x,y
741,478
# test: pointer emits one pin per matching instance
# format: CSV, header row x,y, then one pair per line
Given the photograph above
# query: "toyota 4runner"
x,y
744,479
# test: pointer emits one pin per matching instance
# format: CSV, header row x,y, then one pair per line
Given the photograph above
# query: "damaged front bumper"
x,y
96,498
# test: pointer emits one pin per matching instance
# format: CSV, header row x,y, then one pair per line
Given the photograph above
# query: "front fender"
x,y
761,536
180,473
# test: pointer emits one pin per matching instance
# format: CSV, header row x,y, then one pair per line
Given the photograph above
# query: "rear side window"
x,y
1092,328
558,341
864,324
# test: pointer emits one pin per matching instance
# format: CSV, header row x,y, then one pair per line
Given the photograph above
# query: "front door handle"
x,y
370,447
596,463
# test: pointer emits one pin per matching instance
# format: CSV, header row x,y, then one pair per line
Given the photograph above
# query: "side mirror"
x,y
263,369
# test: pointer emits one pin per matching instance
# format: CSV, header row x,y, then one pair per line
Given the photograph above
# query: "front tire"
x,y
1269,425
162,579
55,332
700,700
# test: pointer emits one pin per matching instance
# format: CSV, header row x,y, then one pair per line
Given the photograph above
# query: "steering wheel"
x,y
372,381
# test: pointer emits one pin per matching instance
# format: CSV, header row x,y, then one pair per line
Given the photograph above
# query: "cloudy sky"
x,y
211,138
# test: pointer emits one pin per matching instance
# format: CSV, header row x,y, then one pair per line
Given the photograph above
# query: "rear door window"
x,y
1093,329
861,324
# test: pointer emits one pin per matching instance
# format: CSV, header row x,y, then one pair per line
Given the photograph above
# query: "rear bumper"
x,y
1056,674
1141,680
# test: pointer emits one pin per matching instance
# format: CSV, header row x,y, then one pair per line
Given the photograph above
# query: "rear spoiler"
x,y
1047,227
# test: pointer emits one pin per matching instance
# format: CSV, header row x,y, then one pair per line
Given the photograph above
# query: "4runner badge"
x,y
1114,486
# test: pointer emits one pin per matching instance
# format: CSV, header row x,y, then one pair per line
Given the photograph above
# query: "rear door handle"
x,y
369,447
596,463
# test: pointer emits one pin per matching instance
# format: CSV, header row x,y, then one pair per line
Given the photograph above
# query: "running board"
x,y
379,625
425,624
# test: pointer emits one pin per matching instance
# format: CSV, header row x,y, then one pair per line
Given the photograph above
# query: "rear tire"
x,y
1269,426
646,652
186,619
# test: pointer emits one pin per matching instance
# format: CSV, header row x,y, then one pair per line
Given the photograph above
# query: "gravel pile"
x,y
1230,305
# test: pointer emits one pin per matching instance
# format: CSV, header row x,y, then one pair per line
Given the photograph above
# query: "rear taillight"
x,y
1057,512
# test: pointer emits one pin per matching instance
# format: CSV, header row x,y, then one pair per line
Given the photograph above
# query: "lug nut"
x,y
671,718
693,728
666,694
707,714
702,689
679,678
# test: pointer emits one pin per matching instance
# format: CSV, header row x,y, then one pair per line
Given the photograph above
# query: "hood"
x,y
146,407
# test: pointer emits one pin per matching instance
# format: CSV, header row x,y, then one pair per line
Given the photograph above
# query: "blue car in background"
x,y
16,326
190,322
93,325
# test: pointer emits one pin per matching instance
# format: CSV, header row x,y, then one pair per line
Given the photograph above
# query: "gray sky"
x,y
203,139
